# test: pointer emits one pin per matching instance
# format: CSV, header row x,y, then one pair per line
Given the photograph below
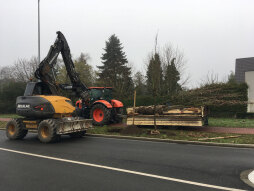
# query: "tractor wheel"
x,y
77,134
15,129
100,115
118,115
47,131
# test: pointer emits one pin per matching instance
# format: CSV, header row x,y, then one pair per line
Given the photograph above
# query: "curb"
x,y
245,177
173,141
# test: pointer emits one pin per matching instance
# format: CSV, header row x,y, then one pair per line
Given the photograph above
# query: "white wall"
x,y
249,79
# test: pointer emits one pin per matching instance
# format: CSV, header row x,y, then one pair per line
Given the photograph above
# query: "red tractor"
x,y
101,108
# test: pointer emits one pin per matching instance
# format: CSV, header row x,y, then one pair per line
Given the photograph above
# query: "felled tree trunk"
x,y
151,110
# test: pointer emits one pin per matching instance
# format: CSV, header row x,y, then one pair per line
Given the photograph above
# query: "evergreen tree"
x,y
139,83
171,78
154,75
114,71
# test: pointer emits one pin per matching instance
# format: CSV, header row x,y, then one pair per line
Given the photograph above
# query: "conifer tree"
x,y
154,75
114,70
171,78
139,83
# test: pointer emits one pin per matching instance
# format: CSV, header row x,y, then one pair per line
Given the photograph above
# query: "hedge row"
x,y
223,100
9,91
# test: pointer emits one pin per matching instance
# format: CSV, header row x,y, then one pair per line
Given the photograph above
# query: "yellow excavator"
x,y
42,108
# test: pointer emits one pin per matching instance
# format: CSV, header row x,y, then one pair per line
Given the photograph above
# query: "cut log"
x,y
165,110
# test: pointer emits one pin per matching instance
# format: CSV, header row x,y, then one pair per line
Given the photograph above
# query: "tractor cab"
x,y
100,93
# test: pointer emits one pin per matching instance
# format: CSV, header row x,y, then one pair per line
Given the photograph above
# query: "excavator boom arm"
x,y
46,74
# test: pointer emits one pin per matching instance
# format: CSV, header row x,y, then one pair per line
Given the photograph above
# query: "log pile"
x,y
167,115
165,110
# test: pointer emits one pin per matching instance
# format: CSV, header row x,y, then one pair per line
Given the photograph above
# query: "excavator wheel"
x,y
15,129
100,115
47,131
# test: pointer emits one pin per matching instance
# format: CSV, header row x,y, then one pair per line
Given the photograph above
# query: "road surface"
x,y
93,163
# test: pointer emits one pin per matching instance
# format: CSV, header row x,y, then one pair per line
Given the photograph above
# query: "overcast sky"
x,y
212,33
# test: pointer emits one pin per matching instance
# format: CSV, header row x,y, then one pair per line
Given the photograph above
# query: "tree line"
x,y
163,78
162,71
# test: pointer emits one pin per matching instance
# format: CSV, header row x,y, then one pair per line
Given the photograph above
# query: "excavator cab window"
x,y
37,88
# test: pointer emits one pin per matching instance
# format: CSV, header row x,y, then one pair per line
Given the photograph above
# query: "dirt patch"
x,y
5,119
196,135
170,134
115,130
131,130
118,125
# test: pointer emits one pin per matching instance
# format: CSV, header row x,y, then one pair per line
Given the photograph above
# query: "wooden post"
x,y
134,105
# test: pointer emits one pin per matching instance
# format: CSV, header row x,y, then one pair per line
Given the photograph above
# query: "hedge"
x,y
222,99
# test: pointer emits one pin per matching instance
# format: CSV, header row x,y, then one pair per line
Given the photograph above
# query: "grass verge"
x,y
231,122
173,134
9,116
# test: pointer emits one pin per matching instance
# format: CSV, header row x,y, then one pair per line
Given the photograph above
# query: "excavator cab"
x,y
37,88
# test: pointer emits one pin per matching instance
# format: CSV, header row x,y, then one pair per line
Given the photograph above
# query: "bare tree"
x,y
210,78
6,73
23,69
168,53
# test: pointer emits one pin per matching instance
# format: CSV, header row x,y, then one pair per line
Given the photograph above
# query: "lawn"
x,y
9,116
231,122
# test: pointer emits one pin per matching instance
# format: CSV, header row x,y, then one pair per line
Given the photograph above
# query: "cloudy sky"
x,y
212,33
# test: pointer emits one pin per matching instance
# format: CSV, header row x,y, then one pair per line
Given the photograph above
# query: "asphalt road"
x,y
216,166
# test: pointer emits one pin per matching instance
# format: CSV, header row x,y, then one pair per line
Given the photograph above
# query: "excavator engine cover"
x,y
42,106
34,107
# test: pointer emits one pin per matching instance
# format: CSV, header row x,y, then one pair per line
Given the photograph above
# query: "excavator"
x,y
44,108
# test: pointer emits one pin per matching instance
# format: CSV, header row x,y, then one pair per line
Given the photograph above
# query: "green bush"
x,y
224,99
9,91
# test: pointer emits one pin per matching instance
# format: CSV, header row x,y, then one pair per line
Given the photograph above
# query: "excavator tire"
x,y
47,131
77,134
100,115
15,129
